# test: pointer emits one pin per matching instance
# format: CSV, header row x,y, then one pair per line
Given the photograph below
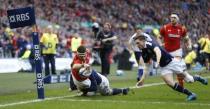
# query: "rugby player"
x,y
172,34
168,66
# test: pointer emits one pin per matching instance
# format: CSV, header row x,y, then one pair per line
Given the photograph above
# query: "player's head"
x,y
50,28
95,27
107,27
81,52
174,18
140,41
76,35
207,35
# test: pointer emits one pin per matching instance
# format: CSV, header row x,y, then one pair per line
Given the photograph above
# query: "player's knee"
x,y
188,78
106,91
168,81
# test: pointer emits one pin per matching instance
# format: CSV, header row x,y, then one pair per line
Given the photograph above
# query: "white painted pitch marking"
x,y
135,102
34,101
53,98
147,85
61,97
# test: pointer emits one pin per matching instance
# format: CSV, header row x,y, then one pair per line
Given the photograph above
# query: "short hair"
x,y
81,50
140,37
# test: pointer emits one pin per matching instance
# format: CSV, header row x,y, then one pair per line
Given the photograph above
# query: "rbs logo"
x,y
19,17
39,81
37,52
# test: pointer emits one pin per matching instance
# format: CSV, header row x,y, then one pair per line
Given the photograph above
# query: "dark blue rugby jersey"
x,y
148,53
103,35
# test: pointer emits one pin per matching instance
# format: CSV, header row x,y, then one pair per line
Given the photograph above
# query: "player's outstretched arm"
x,y
109,39
158,55
144,72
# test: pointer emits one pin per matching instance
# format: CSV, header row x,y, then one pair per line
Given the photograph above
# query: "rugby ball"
x,y
83,72
119,72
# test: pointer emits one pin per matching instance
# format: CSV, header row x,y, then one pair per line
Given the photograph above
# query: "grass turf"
x,y
19,87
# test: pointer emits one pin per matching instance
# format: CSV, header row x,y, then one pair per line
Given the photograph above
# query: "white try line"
x,y
154,84
70,96
34,101
135,102
147,85
61,97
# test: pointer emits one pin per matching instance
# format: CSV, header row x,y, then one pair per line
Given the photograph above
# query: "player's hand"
x,y
87,66
139,83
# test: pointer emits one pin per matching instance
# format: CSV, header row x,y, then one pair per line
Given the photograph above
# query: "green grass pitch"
x,y
17,91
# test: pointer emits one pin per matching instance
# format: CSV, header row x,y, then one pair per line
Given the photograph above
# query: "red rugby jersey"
x,y
172,35
77,60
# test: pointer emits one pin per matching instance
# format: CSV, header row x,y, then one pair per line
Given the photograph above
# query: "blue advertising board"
x,y
21,17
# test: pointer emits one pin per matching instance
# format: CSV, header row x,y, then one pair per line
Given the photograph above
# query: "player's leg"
x,y
167,75
105,89
180,79
180,69
177,54
168,78
190,79
114,91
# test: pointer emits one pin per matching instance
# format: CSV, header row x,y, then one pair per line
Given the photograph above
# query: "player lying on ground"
x,y
102,82
168,66
81,59
87,80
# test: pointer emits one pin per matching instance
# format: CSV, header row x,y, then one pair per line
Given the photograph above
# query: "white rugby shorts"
x,y
176,66
177,52
104,88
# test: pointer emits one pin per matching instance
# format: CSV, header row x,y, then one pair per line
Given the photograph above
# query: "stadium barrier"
x,y
14,65
62,78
